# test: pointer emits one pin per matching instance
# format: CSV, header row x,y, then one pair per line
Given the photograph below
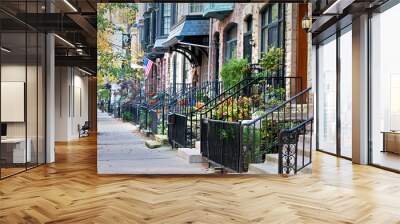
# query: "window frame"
x,y
266,26
163,18
232,41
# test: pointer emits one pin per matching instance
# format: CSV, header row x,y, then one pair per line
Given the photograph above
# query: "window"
x,y
327,96
174,13
247,38
152,28
166,18
230,42
334,105
195,7
272,27
22,98
346,109
385,89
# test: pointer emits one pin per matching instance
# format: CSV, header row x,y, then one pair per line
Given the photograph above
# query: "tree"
x,y
113,60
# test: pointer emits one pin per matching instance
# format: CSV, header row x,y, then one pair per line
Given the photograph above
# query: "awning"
x,y
191,29
159,44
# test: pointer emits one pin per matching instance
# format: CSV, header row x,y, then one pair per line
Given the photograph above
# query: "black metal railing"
x,y
260,136
178,89
177,129
224,139
194,97
261,139
184,104
247,99
135,113
295,148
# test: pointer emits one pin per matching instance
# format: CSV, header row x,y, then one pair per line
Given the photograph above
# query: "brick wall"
x,y
238,16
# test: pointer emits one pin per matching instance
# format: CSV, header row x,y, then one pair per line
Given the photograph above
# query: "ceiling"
x,y
73,21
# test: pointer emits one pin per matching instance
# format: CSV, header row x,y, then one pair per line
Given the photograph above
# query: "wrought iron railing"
x,y
195,97
295,148
262,138
223,139
177,129
246,100
185,104
135,113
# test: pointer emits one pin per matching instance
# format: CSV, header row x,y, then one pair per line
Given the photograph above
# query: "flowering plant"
x,y
234,109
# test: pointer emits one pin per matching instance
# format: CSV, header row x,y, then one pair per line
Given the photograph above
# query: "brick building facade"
x,y
255,22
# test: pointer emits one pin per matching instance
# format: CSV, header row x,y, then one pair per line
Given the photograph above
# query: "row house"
x,y
175,37
190,42
247,30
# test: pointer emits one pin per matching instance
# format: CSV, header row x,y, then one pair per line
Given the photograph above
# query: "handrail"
x,y
254,80
288,139
237,91
193,91
223,93
298,126
278,107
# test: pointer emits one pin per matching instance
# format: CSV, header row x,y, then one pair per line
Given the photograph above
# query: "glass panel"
x,y
274,13
249,24
264,39
385,84
264,18
273,36
327,96
346,94
166,18
13,79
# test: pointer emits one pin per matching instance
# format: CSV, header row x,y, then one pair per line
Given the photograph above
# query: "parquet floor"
x,y
70,191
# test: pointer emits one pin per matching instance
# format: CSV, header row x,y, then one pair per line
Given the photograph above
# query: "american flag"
x,y
147,65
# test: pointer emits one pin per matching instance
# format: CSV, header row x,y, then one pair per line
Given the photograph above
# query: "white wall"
x,y
71,102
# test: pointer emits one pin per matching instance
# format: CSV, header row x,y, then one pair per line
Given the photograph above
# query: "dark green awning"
x,y
191,27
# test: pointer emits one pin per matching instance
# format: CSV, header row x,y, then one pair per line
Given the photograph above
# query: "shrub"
x,y
270,61
127,116
234,109
234,71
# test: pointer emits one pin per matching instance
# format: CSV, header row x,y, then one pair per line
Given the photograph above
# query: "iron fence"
x,y
260,136
222,145
177,129
245,101
135,113
295,148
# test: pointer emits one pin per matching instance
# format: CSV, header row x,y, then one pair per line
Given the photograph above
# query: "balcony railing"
x,y
218,10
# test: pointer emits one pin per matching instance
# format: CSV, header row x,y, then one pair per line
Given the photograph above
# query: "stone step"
x,y
163,139
152,144
198,145
263,168
273,158
270,166
191,155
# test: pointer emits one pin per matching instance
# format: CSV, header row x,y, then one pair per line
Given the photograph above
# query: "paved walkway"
x,y
121,150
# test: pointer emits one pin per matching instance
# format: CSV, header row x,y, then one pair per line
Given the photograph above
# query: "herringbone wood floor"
x,y
70,191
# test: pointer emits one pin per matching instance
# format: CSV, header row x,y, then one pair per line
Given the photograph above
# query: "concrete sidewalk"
x,y
121,150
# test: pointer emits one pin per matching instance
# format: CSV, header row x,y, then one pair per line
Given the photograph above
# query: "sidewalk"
x,y
121,150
